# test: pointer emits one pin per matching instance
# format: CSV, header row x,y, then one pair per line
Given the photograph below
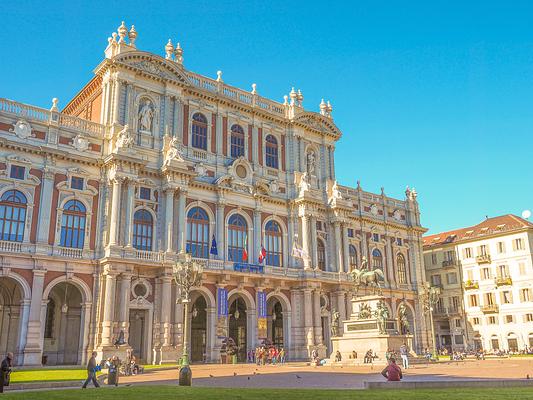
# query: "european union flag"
x,y
214,250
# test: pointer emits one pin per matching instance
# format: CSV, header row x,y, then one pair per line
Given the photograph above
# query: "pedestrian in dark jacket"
x,y
5,371
91,372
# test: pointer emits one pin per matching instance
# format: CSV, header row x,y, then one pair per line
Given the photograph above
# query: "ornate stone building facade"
x,y
150,160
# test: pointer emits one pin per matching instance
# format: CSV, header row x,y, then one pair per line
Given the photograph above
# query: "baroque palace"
x,y
149,161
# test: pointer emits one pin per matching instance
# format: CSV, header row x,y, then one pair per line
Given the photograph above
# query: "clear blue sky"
x,y
435,95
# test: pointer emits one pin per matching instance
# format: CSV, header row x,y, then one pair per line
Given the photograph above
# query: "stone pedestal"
x,y
361,333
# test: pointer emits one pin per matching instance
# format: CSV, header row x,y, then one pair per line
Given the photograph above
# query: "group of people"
x,y
267,355
114,366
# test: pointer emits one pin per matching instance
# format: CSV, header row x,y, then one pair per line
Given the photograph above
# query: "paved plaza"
x,y
298,375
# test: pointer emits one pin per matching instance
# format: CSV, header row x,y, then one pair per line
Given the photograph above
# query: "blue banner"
x,y
222,301
261,305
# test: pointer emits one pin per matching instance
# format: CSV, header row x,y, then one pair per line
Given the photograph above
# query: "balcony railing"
x,y
449,263
471,285
490,309
146,255
10,247
503,281
483,259
69,252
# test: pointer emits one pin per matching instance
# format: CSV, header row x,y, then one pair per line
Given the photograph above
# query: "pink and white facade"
x,y
149,160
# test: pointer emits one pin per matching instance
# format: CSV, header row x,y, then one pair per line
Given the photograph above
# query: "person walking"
x,y
5,371
404,353
91,372
392,372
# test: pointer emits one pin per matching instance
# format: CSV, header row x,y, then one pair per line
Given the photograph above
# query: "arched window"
x,y
402,274
73,225
237,141
377,259
237,231
198,232
199,131
273,244
352,252
271,151
12,215
143,227
321,254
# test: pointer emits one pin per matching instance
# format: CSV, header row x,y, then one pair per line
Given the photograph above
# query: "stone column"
x,y
305,237
24,317
303,166
289,260
34,345
364,250
211,352
338,247
219,134
346,249
116,101
220,230
308,320
115,211
124,304
109,307
389,265
169,217
256,248
84,334
182,220
255,145
130,205
166,295
341,308
43,222
317,317
314,253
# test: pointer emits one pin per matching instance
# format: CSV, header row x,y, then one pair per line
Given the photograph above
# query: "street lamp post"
x,y
187,274
430,296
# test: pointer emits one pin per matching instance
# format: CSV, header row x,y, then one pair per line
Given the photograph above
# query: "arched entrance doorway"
x,y
62,326
275,323
11,310
238,326
198,319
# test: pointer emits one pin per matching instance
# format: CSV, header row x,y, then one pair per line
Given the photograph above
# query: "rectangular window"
x,y
17,172
482,250
375,237
473,300
76,183
350,233
509,319
503,271
436,280
518,244
451,278
522,268
467,252
528,317
433,258
489,299
501,247
456,303
525,295
449,255
491,320
457,323
486,273
399,241
459,339
475,321
507,297
145,193
470,275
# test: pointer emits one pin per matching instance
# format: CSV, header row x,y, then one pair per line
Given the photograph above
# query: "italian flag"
x,y
262,255
244,252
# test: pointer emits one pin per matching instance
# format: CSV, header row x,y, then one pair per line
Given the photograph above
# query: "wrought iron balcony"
x,y
490,309
449,264
471,285
503,281
483,259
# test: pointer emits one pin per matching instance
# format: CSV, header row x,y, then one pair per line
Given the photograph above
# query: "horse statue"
x,y
362,277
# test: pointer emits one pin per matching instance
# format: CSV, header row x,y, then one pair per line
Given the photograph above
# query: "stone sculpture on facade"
x,y
311,163
381,314
402,317
146,116
334,194
22,129
173,152
80,143
335,316
303,185
125,138
365,312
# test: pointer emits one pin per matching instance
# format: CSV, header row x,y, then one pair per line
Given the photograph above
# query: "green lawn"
x,y
62,374
176,392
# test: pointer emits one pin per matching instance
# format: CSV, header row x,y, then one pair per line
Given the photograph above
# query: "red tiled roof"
x,y
503,223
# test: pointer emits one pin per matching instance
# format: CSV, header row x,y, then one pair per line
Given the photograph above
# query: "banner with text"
x,y
261,315
222,313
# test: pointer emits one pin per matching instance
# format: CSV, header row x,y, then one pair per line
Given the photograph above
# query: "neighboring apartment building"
x,y
486,275
150,160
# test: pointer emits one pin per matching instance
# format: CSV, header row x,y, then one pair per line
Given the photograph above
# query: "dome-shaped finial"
x,y
54,105
254,88
178,54
169,50
219,76
122,32
132,35
323,107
